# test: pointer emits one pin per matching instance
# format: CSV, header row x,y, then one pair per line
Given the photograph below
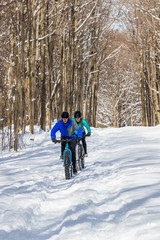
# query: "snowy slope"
x,y
116,197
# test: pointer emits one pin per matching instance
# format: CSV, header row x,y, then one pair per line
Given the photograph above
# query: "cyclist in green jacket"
x,y
84,125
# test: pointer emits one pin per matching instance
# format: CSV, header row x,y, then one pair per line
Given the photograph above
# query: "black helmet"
x,y
65,115
77,114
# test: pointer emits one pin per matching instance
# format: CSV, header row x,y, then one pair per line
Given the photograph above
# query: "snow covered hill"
x,y
116,197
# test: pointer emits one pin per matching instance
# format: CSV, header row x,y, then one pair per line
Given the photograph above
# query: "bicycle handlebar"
x,y
69,140
64,140
87,135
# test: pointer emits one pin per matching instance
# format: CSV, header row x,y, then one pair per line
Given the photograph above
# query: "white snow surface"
x,y
115,197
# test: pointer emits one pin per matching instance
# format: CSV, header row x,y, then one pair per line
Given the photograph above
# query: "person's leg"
x,y
84,143
72,146
63,145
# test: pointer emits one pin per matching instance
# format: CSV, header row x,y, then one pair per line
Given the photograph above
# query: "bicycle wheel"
x,y
79,157
68,167
82,158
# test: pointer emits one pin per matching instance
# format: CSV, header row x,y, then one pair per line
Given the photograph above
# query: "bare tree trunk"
x,y
87,106
22,70
42,66
144,122
10,90
33,62
72,57
154,81
30,76
63,96
50,49
16,77
16,104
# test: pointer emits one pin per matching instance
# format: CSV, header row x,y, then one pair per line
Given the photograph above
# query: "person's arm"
x,y
85,123
54,130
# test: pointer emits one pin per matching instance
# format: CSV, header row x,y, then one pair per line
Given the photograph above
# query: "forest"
x,y
101,57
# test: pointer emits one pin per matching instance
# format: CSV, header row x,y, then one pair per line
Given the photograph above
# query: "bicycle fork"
x,y
67,149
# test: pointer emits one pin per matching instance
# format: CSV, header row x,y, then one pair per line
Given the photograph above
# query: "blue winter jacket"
x,y
68,130
83,123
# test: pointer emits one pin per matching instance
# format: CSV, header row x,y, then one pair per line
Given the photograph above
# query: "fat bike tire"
x,y
68,167
82,158
79,163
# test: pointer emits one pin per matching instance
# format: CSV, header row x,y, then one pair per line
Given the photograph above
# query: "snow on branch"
x,y
155,90
113,54
147,11
40,38
48,35
86,4
56,85
91,55
87,17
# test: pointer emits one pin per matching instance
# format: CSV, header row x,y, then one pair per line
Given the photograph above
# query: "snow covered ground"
x,y
116,197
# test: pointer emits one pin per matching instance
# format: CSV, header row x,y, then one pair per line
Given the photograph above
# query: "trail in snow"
x,y
116,196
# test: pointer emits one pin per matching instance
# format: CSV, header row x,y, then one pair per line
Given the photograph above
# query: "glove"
x,y
88,134
79,139
54,140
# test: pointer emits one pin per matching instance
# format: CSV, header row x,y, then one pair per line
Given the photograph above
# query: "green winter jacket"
x,y
83,123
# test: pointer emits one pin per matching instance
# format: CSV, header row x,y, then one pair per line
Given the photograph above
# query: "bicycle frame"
x,y
66,149
67,163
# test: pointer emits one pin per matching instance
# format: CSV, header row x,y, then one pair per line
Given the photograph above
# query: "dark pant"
x,y
72,147
84,143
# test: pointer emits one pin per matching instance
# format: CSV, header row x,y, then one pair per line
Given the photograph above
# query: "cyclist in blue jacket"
x,y
68,129
82,123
